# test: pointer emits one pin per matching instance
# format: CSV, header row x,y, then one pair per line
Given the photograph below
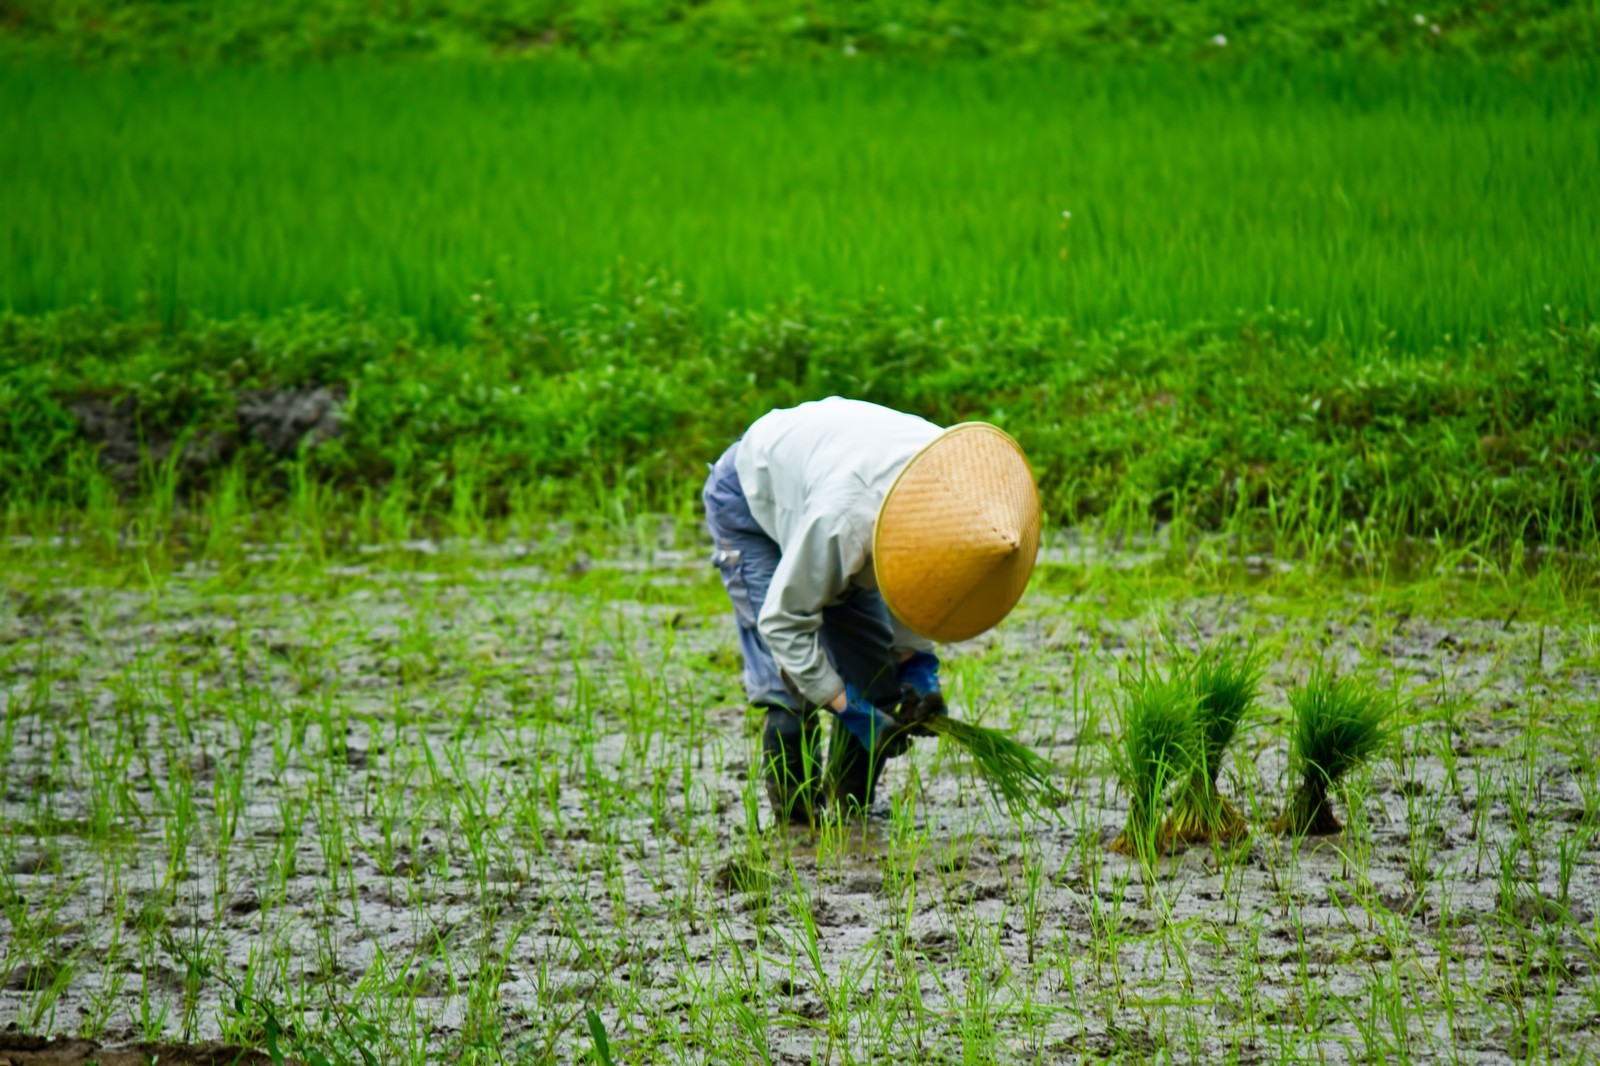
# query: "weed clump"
x,y
1225,688
1158,748
1338,723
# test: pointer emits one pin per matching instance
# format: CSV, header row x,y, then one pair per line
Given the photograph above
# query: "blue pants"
x,y
856,636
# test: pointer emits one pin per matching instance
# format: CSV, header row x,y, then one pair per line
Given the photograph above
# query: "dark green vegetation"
x,y
1318,449
873,232
751,30
1405,205
1177,724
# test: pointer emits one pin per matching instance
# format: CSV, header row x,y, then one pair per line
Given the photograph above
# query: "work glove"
x,y
920,695
878,731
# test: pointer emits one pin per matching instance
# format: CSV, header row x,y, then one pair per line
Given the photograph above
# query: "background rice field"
x,y
1417,202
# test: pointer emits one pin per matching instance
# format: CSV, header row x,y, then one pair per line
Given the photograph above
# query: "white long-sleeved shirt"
x,y
814,477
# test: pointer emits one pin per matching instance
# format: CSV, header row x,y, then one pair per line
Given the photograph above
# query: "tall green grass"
x,y
1419,201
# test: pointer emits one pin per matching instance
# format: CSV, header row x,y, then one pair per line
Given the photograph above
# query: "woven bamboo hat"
x,y
958,533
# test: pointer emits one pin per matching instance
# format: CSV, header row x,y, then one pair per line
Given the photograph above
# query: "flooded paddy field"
x,y
482,803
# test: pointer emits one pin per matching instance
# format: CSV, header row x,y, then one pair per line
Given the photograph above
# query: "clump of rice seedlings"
x,y
1225,687
1017,774
1338,723
1158,748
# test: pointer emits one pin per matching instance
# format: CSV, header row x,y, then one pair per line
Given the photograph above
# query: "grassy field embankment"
x,y
1308,445
1517,32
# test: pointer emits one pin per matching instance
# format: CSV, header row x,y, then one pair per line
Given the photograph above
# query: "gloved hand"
x,y
920,695
878,731
920,673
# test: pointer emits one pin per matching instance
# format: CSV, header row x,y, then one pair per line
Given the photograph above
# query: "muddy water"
x,y
432,810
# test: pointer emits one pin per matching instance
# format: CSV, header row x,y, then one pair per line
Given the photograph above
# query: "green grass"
x,y
1426,202
1344,307
1225,684
1319,451
1017,774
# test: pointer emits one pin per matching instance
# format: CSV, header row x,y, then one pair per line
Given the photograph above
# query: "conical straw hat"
x,y
958,533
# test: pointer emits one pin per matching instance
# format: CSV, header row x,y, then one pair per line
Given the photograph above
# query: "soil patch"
x,y
17,1049
279,420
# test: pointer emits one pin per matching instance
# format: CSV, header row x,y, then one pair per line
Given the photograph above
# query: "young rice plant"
x,y
1338,723
1225,687
1015,772
1159,747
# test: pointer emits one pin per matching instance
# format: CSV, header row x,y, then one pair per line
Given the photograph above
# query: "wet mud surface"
x,y
425,808
19,1050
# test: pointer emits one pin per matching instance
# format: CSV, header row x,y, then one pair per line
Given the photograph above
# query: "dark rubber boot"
x,y
788,764
852,773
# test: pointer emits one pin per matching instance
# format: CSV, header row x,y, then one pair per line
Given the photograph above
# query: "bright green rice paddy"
x,y
1425,200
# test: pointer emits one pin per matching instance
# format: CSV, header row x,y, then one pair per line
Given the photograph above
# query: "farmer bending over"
x,y
850,538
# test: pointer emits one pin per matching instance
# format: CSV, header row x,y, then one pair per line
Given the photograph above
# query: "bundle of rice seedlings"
x,y
1225,689
1017,774
1338,723
1158,748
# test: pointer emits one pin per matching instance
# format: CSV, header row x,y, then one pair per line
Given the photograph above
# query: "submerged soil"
x,y
17,1049
428,802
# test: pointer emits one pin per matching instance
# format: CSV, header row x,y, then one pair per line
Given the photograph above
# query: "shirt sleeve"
x,y
814,571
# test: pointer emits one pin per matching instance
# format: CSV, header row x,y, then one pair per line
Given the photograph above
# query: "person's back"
x,y
832,456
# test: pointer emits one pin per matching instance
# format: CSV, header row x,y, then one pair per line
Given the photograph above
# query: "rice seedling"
x,y
1159,747
1225,686
1338,723
1018,775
